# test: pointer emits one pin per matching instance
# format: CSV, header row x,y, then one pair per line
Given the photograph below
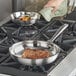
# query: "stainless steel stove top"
x,y
67,67
11,33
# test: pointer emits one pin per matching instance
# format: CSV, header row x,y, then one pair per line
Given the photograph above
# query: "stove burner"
x,y
11,33
7,61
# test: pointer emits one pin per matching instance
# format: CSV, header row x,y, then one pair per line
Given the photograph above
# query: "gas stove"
x,y
11,33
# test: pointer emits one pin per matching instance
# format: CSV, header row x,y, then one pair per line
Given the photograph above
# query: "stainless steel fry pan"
x,y
33,15
17,49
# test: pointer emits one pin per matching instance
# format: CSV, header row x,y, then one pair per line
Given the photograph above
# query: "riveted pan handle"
x,y
58,33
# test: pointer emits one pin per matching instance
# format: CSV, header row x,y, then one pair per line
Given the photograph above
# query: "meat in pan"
x,y
36,53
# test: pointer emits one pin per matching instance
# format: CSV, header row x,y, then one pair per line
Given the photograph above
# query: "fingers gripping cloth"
x,y
47,12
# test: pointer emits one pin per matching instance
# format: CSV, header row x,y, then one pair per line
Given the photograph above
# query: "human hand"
x,y
54,4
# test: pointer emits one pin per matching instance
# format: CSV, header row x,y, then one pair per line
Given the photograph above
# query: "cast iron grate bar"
x,y
2,59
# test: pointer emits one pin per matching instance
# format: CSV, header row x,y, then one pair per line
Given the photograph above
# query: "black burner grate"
x,y
11,33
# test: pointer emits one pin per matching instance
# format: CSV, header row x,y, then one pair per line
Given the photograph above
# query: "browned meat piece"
x,y
35,53
25,18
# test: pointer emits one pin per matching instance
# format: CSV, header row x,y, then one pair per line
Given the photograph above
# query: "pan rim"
x,y
12,47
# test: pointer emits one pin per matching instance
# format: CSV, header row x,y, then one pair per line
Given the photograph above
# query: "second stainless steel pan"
x,y
17,50
31,17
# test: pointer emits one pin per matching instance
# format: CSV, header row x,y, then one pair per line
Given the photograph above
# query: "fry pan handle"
x,y
58,33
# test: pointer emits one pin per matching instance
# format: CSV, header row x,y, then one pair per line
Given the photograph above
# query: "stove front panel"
x,y
66,67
